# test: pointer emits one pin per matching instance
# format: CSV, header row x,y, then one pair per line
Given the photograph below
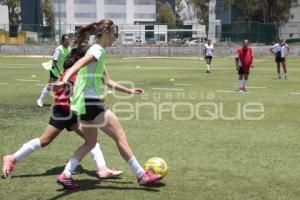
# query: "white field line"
x,y
295,93
174,89
26,80
253,87
225,91
3,83
184,84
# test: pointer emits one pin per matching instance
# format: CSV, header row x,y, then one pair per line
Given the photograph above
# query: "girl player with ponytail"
x,y
88,103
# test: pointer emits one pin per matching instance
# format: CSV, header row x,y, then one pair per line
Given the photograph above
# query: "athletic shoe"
x,y
286,77
39,102
279,77
67,183
240,89
244,89
207,71
9,163
148,178
108,173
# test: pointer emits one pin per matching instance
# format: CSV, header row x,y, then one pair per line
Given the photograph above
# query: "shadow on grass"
x,y
86,185
57,171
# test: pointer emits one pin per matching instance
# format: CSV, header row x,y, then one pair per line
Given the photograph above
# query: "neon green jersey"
x,y
88,84
63,53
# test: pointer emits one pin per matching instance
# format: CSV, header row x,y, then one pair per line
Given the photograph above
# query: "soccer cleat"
x,y
9,163
39,102
240,89
286,77
244,89
108,173
67,183
279,77
148,178
208,71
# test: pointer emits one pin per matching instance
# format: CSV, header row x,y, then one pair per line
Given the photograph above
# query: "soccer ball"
x,y
157,165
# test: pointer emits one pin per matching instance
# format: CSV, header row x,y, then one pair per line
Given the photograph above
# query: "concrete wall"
x,y
141,51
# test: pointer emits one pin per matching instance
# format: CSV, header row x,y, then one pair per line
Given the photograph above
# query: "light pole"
x,y
59,22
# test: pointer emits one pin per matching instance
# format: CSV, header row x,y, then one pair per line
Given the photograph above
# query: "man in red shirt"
x,y
243,61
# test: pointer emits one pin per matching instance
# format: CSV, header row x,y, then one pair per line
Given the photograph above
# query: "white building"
x,y
292,28
75,13
4,20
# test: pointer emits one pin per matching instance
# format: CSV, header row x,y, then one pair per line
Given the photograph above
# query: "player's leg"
x,y
102,170
90,137
246,76
208,61
113,128
284,69
278,70
45,90
28,148
240,79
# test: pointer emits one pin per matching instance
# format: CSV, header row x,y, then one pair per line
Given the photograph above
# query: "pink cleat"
x,y
108,173
148,178
9,163
67,183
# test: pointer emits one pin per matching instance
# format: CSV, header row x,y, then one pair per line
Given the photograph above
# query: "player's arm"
x,y
271,50
73,70
288,49
116,86
252,65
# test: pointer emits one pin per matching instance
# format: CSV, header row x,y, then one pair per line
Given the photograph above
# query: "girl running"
x,y
58,60
208,54
88,103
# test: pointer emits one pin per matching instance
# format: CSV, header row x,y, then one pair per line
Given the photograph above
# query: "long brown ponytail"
x,y
96,28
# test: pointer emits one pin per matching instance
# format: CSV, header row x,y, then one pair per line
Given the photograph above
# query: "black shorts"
x,y
208,57
279,59
62,119
52,77
93,108
243,70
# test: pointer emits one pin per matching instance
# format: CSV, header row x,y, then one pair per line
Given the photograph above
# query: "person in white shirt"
x,y
281,51
208,54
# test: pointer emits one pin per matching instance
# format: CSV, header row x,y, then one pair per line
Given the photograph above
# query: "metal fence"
x,y
157,34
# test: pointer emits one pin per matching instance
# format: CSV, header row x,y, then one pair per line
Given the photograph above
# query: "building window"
x,y
85,1
115,2
115,15
85,15
144,2
144,16
61,14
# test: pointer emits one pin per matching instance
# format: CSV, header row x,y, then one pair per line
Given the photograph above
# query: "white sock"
x,y
70,167
208,67
136,167
97,156
279,75
286,74
244,84
28,148
44,92
240,83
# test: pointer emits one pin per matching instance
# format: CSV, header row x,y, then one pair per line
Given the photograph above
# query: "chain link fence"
x,y
157,34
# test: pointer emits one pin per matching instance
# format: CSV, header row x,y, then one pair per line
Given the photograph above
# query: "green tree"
x,y
273,11
164,13
47,9
201,9
13,10
179,9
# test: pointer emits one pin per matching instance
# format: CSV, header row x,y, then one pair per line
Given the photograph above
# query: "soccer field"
x,y
218,143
